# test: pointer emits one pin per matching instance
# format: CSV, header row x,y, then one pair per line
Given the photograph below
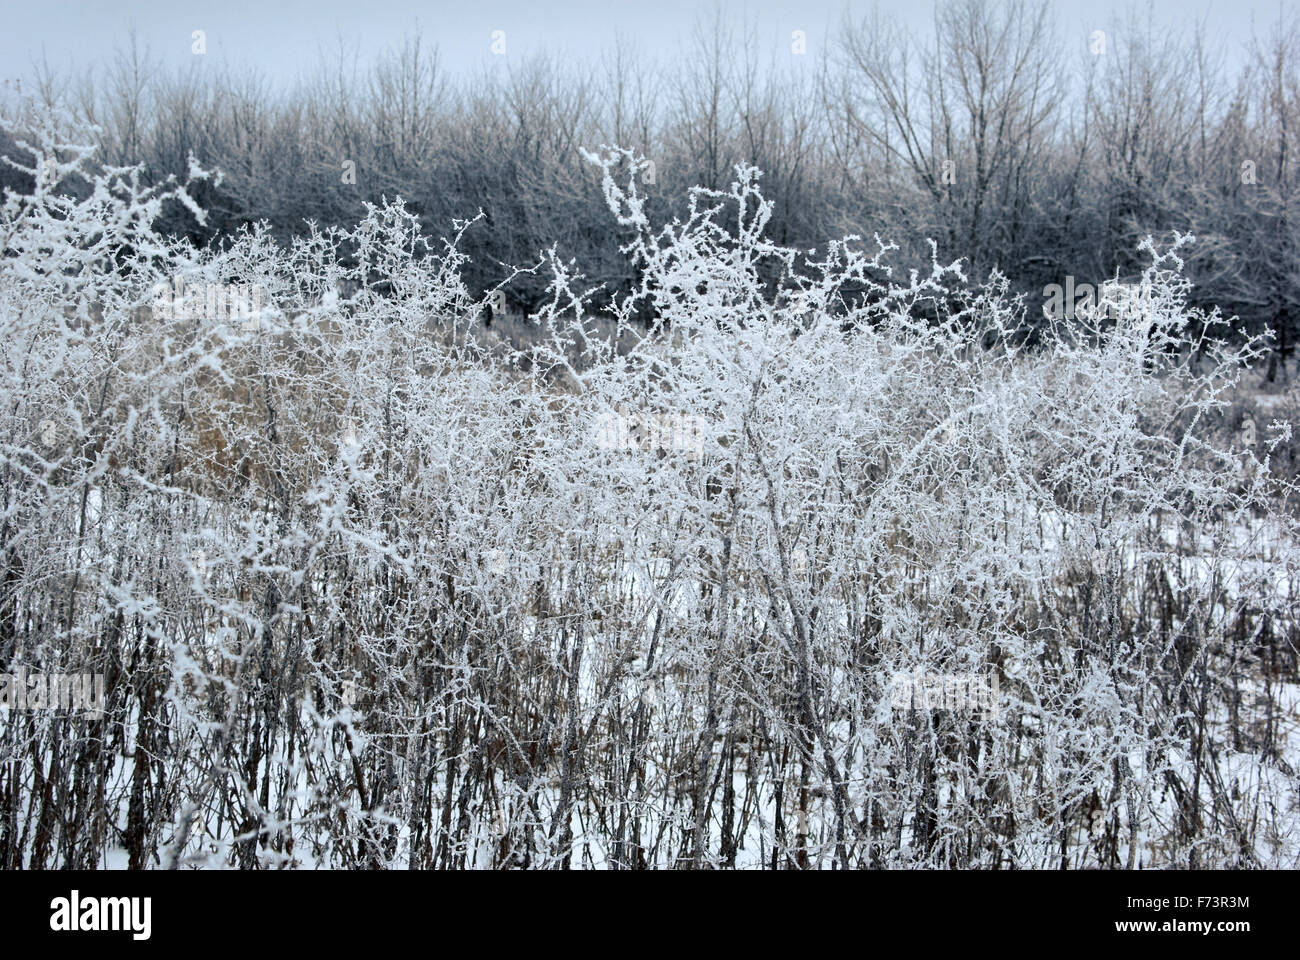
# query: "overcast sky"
x,y
286,37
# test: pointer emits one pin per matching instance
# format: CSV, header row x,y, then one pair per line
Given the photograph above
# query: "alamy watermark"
x,y
956,692
75,913
72,692
1110,300
242,302
638,430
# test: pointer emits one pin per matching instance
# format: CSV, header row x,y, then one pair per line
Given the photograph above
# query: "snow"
x,y
382,593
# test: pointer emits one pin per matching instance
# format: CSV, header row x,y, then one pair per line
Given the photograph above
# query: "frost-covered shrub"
x,y
369,589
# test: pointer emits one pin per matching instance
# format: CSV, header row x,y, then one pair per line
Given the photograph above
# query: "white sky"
x,y
285,37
